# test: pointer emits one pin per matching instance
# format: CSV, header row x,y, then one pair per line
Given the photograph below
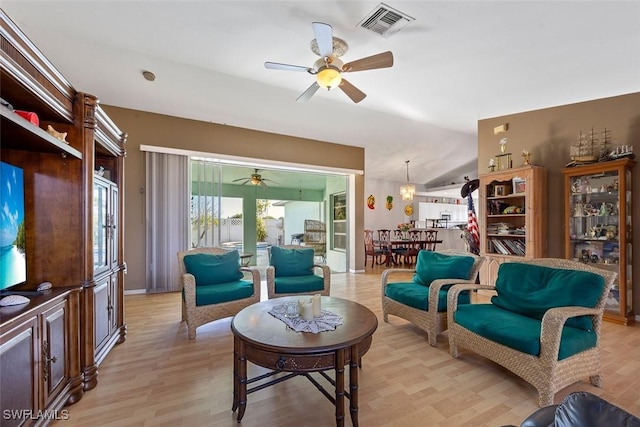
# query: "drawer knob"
x,y
280,364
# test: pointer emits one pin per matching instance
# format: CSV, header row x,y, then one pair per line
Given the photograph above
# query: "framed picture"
x,y
501,190
519,185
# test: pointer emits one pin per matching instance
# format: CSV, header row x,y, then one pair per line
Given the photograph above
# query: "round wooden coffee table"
x,y
266,341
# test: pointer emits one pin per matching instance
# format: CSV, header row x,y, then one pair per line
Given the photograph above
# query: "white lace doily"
x,y
327,321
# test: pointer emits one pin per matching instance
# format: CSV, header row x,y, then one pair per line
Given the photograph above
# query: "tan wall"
x,y
165,131
548,134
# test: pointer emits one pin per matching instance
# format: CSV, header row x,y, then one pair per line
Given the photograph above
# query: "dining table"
x,y
388,247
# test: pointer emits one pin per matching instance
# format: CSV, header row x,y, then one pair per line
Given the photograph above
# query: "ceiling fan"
x,y
255,179
329,68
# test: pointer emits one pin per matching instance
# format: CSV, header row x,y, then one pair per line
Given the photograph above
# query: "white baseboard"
x,y
135,291
355,271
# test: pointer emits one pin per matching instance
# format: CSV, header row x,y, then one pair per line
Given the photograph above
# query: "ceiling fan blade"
x,y
352,92
241,179
287,67
324,38
307,94
381,60
264,184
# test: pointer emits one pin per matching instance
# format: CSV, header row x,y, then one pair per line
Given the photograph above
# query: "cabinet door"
x,y
101,227
54,351
101,298
489,270
19,364
113,224
113,303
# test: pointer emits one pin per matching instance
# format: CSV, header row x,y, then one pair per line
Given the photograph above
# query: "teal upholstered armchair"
x,y
423,299
291,272
214,285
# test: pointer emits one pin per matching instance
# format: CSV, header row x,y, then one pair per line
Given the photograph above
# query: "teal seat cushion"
x,y
294,284
223,292
209,269
519,332
433,265
531,290
417,296
292,262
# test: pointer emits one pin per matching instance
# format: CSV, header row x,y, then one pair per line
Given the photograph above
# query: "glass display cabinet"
x,y
598,213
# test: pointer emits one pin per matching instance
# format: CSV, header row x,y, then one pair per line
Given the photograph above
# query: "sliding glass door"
x,y
233,206
206,206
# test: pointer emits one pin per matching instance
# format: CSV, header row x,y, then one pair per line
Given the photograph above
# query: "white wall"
x,y
294,215
381,217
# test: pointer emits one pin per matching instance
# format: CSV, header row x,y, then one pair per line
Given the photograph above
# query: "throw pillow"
x,y
209,269
434,265
531,290
292,262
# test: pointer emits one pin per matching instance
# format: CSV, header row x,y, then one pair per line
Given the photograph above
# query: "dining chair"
x,y
413,247
431,237
384,234
370,249
384,243
398,250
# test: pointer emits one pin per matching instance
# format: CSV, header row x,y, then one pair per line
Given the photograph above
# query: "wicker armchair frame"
x,y
430,321
196,315
271,277
544,372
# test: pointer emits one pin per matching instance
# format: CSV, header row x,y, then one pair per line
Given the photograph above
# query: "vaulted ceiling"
x,y
455,63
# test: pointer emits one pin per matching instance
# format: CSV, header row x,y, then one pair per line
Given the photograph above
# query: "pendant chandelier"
x,y
407,191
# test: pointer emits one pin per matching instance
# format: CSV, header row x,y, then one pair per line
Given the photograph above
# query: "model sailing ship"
x,y
586,149
590,149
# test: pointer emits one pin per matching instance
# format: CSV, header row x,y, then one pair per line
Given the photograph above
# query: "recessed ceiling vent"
x,y
385,20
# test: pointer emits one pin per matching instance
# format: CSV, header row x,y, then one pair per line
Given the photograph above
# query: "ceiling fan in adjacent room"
x,y
255,179
329,68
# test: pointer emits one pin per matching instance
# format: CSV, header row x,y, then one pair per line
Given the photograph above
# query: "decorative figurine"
x,y
503,145
371,201
389,204
58,135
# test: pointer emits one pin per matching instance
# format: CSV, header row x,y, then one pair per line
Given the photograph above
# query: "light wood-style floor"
x,y
158,377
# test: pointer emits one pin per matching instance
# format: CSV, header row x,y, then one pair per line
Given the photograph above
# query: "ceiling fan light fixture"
x,y
407,191
255,180
328,77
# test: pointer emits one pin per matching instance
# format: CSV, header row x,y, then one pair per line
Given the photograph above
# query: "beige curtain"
x,y
167,218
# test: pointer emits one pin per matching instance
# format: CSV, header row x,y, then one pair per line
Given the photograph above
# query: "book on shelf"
x,y
499,247
508,246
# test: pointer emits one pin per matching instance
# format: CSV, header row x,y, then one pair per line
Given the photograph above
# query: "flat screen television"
x,y
13,260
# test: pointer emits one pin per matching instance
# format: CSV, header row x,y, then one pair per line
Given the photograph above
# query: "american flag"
x,y
472,226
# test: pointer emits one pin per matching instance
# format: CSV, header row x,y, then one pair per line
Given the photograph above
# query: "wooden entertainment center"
x,y
50,348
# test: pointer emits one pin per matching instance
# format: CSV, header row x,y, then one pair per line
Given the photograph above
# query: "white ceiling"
x,y
458,62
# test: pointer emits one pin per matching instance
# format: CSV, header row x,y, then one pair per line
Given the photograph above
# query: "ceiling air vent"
x,y
385,20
